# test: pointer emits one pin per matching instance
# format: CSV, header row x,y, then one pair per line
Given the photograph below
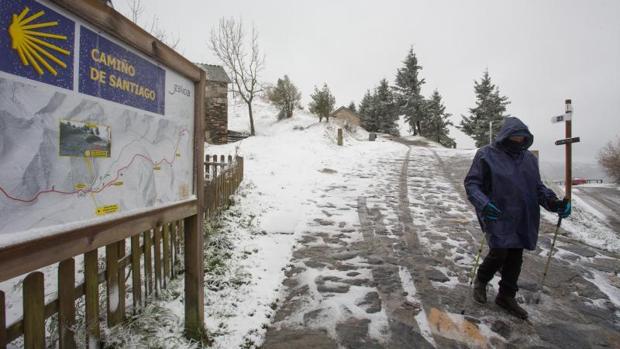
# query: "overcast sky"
x,y
539,52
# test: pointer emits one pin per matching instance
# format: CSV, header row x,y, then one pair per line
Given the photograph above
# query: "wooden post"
x,y
157,259
66,303
148,264
241,168
340,137
215,166
113,299
3,336
207,165
193,229
166,251
173,249
122,290
230,179
136,283
91,295
34,311
568,177
194,278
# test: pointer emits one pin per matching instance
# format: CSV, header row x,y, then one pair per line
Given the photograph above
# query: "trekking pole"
x,y
473,271
472,274
555,236
544,277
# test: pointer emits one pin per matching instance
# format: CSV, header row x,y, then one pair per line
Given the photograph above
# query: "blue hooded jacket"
x,y
509,177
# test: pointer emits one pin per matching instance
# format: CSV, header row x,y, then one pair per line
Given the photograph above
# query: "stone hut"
x,y
216,104
347,116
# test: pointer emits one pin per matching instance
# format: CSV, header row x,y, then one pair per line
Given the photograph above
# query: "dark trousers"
x,y
508,262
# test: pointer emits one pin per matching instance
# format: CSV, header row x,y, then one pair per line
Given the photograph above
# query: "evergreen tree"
x,y
322,103
386,109
369,120
285,96
408,92
352,107
379,111
438,121
490,107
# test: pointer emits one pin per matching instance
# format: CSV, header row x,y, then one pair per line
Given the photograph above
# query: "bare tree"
x,y
136,10
228,43
609,158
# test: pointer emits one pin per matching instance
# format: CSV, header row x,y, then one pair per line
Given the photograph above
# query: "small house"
x,y
216,104
347,116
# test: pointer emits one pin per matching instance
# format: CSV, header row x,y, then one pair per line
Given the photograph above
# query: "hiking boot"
x,y
480,292
510,304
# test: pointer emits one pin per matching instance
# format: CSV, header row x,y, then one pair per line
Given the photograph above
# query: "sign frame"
x,y
23,257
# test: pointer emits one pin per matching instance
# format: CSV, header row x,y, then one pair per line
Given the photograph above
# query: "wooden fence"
x,y
152,259
223,176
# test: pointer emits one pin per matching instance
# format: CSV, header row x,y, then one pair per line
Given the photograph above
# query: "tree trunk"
x,y
419,128
251,118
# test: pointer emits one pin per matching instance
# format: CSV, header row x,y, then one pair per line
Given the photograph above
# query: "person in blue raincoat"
x,y
504,186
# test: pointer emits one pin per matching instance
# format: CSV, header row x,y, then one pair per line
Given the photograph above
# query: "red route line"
x,y
106,185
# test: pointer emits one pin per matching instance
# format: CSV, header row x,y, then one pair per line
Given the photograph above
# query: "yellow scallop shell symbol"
x,y
34,46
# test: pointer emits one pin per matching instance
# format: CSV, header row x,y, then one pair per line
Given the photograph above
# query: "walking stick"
x,y
473,271
472,274
555,236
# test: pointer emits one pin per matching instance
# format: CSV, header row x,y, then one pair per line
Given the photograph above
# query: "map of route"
x,y
92,190
111,159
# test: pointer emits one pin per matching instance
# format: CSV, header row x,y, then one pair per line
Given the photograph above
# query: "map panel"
x,y
70,158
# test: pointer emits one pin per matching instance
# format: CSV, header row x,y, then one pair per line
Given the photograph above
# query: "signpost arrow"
x,y
567,141
561,118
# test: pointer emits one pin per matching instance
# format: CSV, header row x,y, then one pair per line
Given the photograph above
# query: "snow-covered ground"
x,y
285,165
587,223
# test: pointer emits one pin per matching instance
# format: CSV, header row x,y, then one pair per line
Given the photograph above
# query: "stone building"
x,y
347,116
216,104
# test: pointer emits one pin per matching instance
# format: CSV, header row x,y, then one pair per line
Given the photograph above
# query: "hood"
x,y
511,127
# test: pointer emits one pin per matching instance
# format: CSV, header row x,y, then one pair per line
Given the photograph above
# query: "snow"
x,y
114,298
586,224
287,165
421,318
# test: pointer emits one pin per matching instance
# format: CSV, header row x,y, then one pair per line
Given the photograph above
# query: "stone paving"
x,y
386,265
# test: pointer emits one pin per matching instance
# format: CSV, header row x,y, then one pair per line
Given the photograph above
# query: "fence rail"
x,y
150,257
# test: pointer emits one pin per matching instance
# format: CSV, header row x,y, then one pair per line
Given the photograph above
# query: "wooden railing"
x,y
223,176
153,259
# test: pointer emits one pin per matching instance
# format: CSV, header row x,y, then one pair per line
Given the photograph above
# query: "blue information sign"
x,y
112,72
36,43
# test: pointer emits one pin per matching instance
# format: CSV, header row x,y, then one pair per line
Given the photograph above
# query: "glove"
x,y
490,212
563,208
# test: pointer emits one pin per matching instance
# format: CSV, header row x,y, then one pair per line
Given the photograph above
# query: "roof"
x,y
343,108
215,73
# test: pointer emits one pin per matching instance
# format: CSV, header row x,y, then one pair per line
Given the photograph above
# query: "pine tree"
x,y
438,121
285,96
408,92
386,109
490,107
352,107
322,103
369,120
